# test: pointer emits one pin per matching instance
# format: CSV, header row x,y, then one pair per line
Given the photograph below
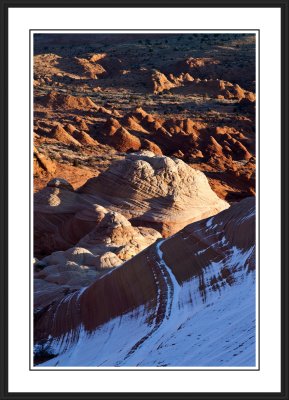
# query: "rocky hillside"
x,y
144,199
191,96
150,191
80,234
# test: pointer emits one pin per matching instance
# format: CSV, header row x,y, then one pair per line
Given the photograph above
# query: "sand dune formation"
x,y
144,207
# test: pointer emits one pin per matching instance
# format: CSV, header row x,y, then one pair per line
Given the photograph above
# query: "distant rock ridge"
x,y
65,101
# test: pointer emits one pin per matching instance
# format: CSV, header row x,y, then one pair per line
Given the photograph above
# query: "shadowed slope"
x,y
162,287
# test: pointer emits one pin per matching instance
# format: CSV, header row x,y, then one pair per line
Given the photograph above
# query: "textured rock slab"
x,y
180,276
155,191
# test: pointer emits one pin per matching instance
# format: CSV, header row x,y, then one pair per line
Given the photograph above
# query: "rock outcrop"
x,y
124,141
59,133
155,191
226,152
42,164
151,191
139,148
161,82
187,285
211,68
215,88
99,240
84,138
61,101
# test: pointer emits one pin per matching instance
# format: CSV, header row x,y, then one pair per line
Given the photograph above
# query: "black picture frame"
x,y
4,201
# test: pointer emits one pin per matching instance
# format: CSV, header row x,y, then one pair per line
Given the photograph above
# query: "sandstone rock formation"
x,y
211,68
167,290
90,68
99,240
138,142
42,164
151,191
57,100
84,138
216,148
124,141
160,82
155,191
152,147
59,133
215,88
192,65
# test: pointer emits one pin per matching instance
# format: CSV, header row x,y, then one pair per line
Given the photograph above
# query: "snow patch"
x,y
200,328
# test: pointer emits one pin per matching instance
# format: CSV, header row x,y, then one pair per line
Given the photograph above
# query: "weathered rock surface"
x,y
101,267
61,101
167,293
151,191
161,82
84,138
215,88
59,133
42,164
154,191
124,141
225,153
110,241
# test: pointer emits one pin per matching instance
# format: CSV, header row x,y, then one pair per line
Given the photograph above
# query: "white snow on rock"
x,y
211,329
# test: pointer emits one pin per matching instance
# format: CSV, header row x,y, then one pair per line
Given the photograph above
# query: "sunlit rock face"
x,y
155,191
150,191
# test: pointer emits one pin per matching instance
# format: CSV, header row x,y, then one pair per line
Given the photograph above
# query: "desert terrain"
x,y
144,196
